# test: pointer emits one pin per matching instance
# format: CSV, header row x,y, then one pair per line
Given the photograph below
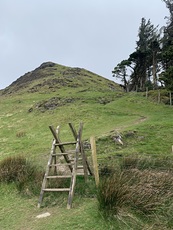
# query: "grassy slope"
x,y
20,213
27,133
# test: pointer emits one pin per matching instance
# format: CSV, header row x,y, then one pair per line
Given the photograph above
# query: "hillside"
x,y
49,77
56,95
51,94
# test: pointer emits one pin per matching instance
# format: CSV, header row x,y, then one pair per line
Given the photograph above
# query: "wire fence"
x,y
160,96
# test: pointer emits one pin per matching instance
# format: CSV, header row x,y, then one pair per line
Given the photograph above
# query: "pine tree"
x,y
143,61
167,49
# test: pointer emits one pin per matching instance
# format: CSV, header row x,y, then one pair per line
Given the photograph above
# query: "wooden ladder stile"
x,y
71,158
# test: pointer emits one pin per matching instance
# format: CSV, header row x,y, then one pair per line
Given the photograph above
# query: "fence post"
x,y
94,159
146,92
158,96
170,98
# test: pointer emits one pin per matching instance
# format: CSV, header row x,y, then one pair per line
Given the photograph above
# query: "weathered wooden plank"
x,y
66,143
66,153
61,176
73,131
73,179
62,164
80,167
94,158
60,154
56,190
54,132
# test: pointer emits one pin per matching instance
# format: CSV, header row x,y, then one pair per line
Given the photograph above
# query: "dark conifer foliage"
x,y
151,63
167,48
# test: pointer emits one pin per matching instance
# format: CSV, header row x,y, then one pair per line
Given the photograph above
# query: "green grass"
x,y
145,126
20,213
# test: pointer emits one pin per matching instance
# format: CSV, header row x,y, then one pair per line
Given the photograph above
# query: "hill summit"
x,y
50,76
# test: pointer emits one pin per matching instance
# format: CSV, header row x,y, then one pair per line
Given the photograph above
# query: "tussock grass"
x,y
22,172
111,193
21,134
147,192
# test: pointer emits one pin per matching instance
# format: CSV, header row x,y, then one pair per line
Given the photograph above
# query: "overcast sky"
x,y
91,34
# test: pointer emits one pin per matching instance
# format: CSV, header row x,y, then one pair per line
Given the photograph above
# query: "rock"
x,y
30,110
46,64
46,214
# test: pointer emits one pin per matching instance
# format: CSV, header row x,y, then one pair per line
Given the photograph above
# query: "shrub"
x,y
112,192
129,162
21,134
22,172
145,191
149,190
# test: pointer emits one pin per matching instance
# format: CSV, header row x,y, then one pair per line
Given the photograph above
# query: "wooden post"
x,y
94,159
136,88
170,98
158,96
146,92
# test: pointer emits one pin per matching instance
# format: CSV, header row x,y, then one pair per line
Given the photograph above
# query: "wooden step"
x,y
63,154
62,176
72,160
59,154
80,174
66,143
80,167
80,158
63,164
56,189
